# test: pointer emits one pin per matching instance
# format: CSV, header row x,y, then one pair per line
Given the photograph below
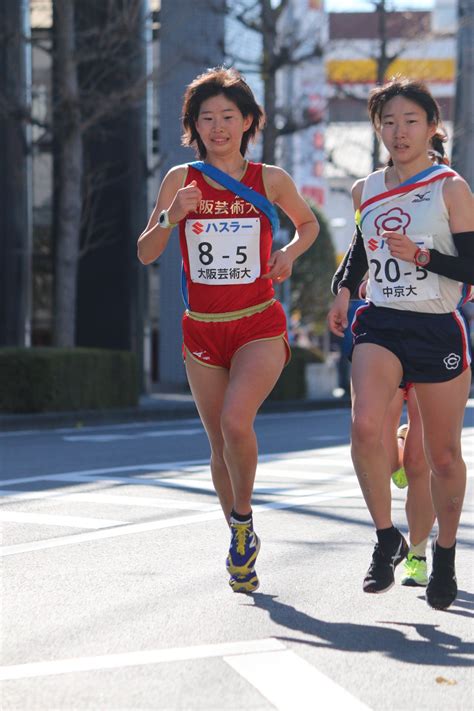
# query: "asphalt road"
x,y
115,593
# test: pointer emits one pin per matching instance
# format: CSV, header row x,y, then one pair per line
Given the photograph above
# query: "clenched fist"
x,y
186,200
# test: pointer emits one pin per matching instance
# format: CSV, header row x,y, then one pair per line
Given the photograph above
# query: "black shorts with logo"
x,y
432,348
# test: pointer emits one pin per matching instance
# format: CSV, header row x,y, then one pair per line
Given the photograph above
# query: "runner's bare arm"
x,y
282,190
337,316
175,198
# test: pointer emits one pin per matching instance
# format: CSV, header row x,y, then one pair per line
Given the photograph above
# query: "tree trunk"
x,y
68,177
179,64
269,82
382,66
15,175
463,148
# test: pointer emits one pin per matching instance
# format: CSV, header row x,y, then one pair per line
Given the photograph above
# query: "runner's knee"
x,y
366,430
235,427
445,461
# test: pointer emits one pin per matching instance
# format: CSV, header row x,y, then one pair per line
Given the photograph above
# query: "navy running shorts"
x,y
431,348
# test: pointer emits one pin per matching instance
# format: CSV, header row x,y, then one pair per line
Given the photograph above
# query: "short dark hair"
x,y
215,81
416,91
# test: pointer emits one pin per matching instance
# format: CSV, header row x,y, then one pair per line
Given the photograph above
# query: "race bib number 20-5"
x,y
224,251
393,280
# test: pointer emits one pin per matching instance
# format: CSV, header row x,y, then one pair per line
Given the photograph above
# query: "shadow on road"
x,y
435,648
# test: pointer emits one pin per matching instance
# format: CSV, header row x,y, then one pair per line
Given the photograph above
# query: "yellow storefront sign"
x,y
364,71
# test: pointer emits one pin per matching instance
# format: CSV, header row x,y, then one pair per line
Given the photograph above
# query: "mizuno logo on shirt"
x,y
422,197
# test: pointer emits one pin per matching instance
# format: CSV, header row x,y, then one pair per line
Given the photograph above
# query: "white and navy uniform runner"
x,y
412,312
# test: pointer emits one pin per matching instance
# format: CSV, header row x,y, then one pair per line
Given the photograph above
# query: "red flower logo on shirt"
x,y
395,220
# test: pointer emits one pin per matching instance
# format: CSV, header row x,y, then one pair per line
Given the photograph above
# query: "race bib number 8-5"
x,y
392,280
224,251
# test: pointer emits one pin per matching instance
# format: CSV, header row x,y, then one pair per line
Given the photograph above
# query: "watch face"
x,y
423,258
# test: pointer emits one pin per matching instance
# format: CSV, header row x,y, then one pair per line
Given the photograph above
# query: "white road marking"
x,y
53,520
140,658
147,526
279,459
140,435
262,417
98,498
289,682
286,680
166,466
186,478
327,438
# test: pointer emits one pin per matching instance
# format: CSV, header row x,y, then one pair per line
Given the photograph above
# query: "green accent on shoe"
x,y
399,478
415,572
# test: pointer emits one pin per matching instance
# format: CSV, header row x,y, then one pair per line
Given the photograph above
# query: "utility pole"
x,y
15,175
382,63
463,148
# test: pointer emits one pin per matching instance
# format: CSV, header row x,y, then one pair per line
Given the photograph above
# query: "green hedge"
x,y
291,384
55,379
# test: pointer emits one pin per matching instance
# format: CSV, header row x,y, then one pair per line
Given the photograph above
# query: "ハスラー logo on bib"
x,y
452,361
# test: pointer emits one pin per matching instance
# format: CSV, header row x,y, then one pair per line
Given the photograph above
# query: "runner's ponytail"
x,y
437,148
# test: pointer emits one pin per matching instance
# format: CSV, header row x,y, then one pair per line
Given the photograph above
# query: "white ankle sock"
x,y
419,549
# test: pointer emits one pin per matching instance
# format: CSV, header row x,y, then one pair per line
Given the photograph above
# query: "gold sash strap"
x,y
230,315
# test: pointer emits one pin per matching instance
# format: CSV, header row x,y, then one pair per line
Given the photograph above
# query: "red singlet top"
x,y
226,245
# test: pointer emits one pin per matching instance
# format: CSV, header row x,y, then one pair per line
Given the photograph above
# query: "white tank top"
x,y
422,215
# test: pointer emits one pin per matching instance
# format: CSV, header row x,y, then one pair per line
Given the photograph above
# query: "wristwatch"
x,y
422,257
164,220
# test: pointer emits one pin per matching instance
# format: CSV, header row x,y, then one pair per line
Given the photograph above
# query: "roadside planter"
x,y
321,379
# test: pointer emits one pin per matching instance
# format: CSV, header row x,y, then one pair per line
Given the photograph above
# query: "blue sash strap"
x,y
243,191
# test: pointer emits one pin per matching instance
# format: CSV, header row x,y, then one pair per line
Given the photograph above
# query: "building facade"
x,y
419,45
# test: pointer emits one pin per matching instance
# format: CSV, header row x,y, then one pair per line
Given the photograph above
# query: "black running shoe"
x,y
381,573
442,586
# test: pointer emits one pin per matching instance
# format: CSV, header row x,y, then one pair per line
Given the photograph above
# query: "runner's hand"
x,y
186,200
337,316
400,246
280,266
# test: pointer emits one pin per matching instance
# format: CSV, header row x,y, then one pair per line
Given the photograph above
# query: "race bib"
x,y
392,280
224,251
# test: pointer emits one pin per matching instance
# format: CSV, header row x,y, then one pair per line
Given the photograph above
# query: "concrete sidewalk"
x,y
154,407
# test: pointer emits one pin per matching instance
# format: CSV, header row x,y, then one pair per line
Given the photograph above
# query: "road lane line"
x,y
281,458
289,682
148,526
140,435
56,520
115,500
261,417
165,466
140,658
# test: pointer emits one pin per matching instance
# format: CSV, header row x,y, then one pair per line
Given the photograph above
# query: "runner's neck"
x,y
236,169
397,174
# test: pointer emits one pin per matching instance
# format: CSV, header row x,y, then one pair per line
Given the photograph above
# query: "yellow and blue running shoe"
x,y
415,572
245,583
243,552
